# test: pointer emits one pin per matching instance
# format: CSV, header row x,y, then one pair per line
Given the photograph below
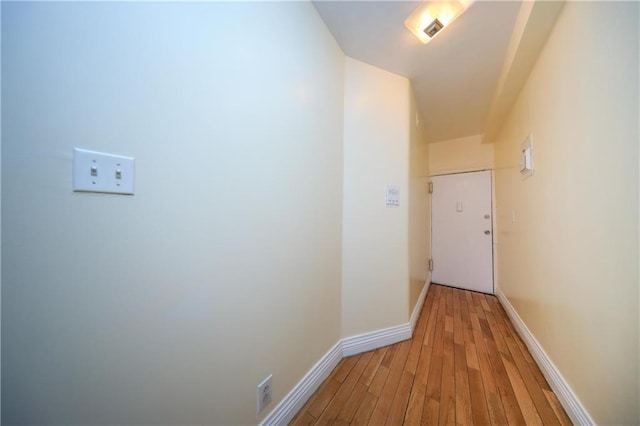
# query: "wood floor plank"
x,y
383,406
496,332
479,408
465,365
353,403
424,362
467,330
416,347
377,384
388,357
471,356
477,305
447,390
536,393
361,365
483,302
370,371
432,306
414,354
458,333
434,383
344,368
464,416
365,409
475,321
430,412
449,296
561,415
525,402
400,399
324,397
492,394
416,404
448,324
509,402
332,411
304,419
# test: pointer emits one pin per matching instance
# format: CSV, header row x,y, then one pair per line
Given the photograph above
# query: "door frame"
x,y
494,223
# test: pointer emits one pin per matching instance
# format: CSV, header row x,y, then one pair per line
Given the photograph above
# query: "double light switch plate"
x,y
100,172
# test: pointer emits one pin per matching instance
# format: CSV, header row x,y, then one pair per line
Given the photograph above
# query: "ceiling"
x,y
455,76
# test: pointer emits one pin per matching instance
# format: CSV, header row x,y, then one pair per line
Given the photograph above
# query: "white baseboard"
x,y
418,308
572,405
376,339
300,394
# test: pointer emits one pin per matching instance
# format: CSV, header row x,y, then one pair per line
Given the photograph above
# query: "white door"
x,y
461,229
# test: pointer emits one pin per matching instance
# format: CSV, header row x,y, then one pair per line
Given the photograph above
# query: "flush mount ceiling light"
x,y
433,28
432,16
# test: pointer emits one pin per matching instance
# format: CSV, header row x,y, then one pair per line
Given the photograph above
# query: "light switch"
x,y
392,196
100,172
526,157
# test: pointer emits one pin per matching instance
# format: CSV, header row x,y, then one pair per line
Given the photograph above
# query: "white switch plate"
x,y
526,157
100,172
392,196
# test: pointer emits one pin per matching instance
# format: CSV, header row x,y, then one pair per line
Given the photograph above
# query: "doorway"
x,y
462,231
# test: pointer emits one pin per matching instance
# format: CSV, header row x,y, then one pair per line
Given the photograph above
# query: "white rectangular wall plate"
x,y
100,172
265,389
392,196
526,157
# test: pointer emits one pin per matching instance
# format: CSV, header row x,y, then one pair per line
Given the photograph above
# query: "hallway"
x,y
465,364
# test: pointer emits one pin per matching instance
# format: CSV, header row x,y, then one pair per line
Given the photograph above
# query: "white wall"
x,y
460,155
169,306
569,262
375,274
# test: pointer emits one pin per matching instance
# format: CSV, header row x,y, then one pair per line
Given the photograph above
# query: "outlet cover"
x,y
264,392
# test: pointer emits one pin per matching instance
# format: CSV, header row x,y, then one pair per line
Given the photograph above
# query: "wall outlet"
x,y
264,393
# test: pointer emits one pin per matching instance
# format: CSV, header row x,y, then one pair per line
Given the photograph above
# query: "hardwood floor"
x,y
464,365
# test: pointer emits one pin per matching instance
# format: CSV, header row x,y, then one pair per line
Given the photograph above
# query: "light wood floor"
x,y
464,365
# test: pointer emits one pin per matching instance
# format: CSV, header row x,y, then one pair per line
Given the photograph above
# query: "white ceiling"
x,y
454,76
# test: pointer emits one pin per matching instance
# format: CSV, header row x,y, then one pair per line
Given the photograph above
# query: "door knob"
x,y
487,232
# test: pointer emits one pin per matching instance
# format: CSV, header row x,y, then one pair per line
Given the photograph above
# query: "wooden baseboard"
x,y
570,402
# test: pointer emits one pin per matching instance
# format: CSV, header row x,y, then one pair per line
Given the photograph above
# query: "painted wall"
x,y
169,306
375,274
460,155
569,261
419,206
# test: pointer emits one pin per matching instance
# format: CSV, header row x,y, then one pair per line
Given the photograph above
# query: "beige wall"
x,y
169,306
419,207
460,155
375,274
569,262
